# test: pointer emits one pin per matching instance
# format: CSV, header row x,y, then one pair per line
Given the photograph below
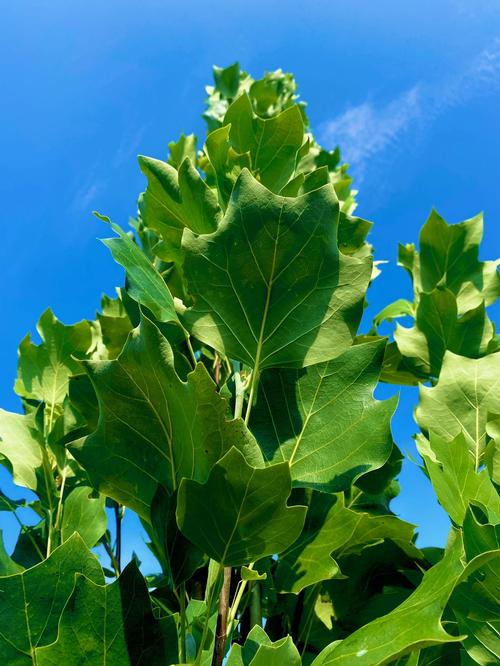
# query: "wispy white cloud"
x,y
129,146
85,196
369,130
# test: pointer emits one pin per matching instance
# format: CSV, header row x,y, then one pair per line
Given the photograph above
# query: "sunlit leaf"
x,y
270,286
317,419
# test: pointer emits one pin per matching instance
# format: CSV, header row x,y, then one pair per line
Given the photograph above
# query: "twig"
x,y
220,633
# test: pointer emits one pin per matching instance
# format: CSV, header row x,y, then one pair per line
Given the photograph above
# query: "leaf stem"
x,y
190,348
182,604
253,387
57,523
24,529
236,601
210,600
109,551
47,474
255,606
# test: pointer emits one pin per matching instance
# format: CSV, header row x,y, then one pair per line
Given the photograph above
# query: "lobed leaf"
x,y
270,287
324,420
153,427
31,601
240,513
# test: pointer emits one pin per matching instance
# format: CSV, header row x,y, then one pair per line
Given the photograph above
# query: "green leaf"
x,y
273,144
154,428
112,624
259,650
413,624
225,161
227,79
178,556
449,258
451,469
177,199
7,565
438,328
44,370
114,332
21,445
240,513
179,150
324,420
146,286
31,602
273,290
475,601
492,453
85,514
467,390
332,530
252,574
395,310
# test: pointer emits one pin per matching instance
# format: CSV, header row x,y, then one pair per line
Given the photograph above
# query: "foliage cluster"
x,y
226,396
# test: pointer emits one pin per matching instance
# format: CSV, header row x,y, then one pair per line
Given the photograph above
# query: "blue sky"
x,y
410,91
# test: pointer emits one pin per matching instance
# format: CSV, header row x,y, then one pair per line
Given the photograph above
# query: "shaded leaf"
x,y
154,428
31,602
85,514
114,624
475,601
415,623
332,530
240,513
178,556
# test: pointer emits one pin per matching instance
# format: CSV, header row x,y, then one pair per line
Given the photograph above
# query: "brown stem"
x,y
220,633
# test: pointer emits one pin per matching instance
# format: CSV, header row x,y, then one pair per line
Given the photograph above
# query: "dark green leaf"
x,y
240,513
333,530
112,624
32,601
154,428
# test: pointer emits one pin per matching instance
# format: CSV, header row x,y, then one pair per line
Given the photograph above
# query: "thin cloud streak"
x,y
367,131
